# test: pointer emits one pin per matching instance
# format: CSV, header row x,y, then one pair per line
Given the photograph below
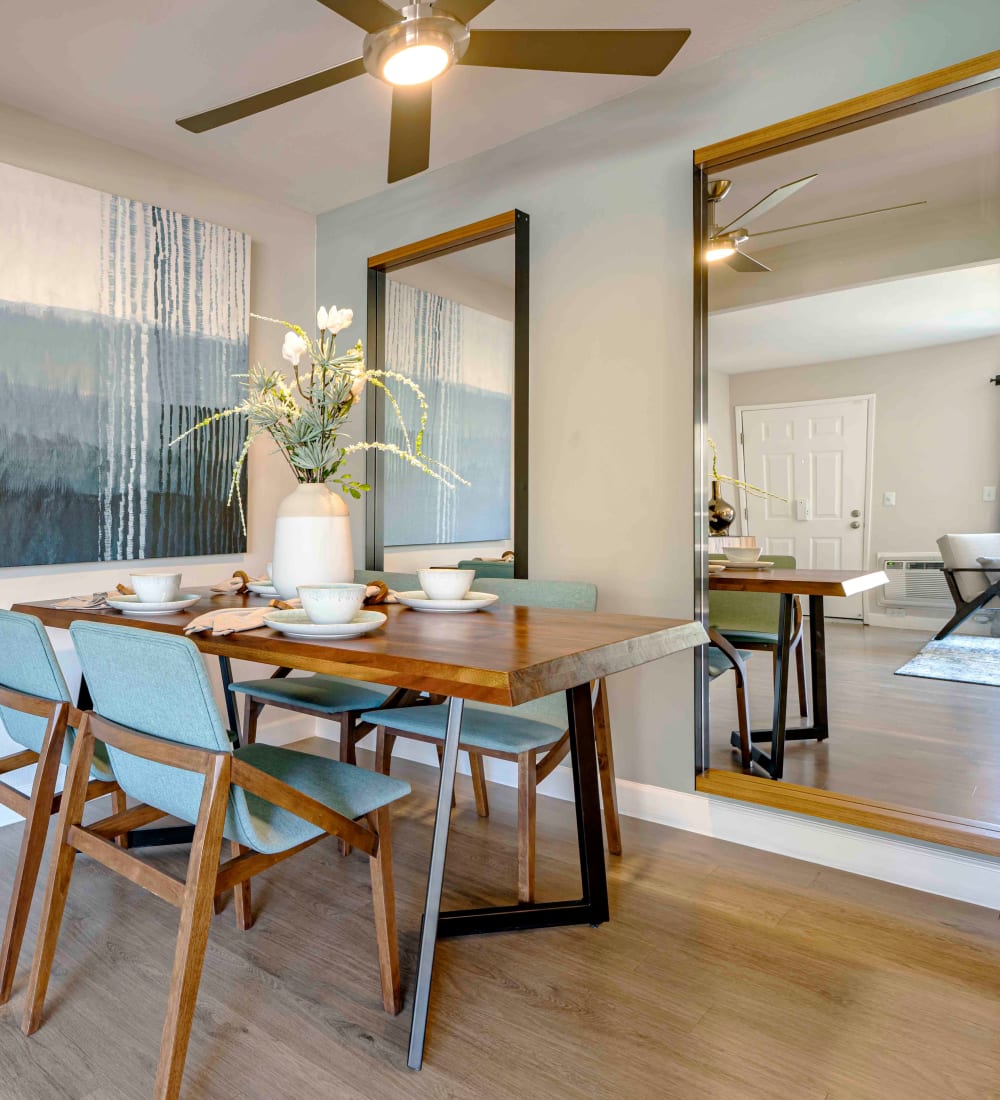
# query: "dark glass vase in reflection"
x,y
720,512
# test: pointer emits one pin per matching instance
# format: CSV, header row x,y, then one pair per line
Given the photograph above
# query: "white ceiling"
x,y
897,315
124,71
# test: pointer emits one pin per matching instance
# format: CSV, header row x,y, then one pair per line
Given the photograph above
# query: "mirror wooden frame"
x,y
513,223
966,78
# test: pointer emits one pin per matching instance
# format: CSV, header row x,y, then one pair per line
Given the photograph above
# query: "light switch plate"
x,y
989,494
889,500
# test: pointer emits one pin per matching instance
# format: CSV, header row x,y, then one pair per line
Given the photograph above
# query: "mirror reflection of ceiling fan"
x,y
409,49
726,242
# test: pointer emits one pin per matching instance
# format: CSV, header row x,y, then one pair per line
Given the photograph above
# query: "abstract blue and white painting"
x,y
121,325
463,360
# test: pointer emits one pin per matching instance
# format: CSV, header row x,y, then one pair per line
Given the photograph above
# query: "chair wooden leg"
x,y
479,784
384,742
192,936
348,755
74,799
527,783
251,712
384,899
440,752
800,673
119,804
606,769
36,825
244,907
743,717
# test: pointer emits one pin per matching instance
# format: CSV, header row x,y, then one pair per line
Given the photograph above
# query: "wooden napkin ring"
x,y
281,605
244,587
379,596
124,590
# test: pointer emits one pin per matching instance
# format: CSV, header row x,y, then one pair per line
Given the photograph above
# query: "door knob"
x,y
856,513
855,524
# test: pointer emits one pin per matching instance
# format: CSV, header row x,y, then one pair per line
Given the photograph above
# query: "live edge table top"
x,y
507,655
797,582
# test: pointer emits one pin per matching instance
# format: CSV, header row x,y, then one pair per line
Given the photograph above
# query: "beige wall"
x,y
282,284
937,434
609,195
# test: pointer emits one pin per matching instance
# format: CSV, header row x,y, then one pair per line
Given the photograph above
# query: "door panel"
x,y
815,455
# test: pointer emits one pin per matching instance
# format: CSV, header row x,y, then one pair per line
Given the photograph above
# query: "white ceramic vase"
x,y
312,540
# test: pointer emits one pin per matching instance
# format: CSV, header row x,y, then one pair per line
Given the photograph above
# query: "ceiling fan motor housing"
x,y
419,27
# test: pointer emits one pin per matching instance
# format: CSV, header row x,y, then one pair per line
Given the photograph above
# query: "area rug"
x,y
962,658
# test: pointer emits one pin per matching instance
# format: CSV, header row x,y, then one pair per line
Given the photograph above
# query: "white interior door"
x,y
815,454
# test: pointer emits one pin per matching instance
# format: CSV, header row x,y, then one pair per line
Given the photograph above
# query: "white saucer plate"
x,y
132,605
474,601
260,589
295,623
749,564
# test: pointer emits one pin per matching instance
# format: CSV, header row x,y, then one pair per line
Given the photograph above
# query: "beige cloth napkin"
x,y
94,602
233,620
236,583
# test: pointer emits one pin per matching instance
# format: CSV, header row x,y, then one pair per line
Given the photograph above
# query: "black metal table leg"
x,y
779,733
817,646
592,908
232,713
435,881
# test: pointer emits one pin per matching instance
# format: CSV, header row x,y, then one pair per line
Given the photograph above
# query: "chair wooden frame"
x,y
530,772
36,809
206,878
742,692
964,608
796,647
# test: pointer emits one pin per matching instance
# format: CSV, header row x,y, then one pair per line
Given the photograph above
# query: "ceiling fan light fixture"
x,y
418,49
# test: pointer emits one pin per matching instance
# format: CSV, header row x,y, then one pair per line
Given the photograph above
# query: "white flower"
x,y
321,319
339,319
358,388
293,348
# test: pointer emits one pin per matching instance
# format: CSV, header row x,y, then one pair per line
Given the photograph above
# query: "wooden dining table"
x,y
506,655
817,584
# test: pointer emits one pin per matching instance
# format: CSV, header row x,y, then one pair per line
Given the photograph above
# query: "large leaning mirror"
x,y
451,313
849,402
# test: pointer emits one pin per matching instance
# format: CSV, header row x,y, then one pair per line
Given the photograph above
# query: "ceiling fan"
x,y
725,242
409,49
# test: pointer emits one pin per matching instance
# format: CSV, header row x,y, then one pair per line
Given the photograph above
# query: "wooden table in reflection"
x,y
817,584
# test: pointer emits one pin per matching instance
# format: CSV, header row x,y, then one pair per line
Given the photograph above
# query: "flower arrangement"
x,y
753,490
305,417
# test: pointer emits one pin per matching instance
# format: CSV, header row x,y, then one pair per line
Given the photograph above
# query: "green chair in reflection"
x,y
749,621
491,570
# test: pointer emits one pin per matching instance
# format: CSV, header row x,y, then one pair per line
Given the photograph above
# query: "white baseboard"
x,y
282,730
931,868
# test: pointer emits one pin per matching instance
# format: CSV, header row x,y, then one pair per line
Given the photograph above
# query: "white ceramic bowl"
x,y
152,586
332,603
446,584
743,553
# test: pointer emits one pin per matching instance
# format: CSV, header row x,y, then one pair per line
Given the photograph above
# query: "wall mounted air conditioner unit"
x,y
915,580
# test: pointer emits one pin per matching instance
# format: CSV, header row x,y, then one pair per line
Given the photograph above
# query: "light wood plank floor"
x,y
725,973
930,744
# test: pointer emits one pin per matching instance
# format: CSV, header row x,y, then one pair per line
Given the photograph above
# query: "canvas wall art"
x,y
121,325
463,360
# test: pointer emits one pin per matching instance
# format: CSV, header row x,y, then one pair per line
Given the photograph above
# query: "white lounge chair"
x,y
972,570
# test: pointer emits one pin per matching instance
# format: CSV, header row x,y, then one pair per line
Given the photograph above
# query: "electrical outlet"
x,y
989,494
889,500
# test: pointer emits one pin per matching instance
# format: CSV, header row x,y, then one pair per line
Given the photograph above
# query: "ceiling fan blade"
x,y
264,101
466,10
410,131
769,202
629,53
842,218
740,261
369,15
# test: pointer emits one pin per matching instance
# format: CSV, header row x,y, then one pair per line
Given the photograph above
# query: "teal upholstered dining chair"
x,y
168,748
722,657
517,734
37,713
322,696
749,620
